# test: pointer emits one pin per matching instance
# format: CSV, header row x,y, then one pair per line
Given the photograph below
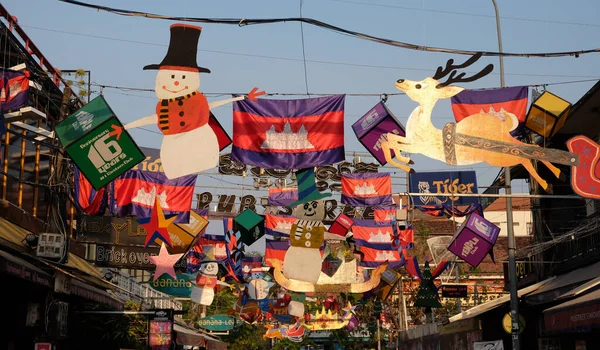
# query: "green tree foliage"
x,y
102,331
247,337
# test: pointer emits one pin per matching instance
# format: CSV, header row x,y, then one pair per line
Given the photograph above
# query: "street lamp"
x,y
512,267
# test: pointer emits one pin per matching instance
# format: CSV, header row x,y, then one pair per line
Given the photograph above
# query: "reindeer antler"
x,y
451,69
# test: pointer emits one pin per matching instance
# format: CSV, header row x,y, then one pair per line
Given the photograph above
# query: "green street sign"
x,y
180,287
218,323
95,140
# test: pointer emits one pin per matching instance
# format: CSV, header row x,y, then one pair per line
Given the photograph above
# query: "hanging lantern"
x,y
547,114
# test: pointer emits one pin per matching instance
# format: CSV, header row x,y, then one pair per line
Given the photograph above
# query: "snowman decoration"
x,y
206,279
190,145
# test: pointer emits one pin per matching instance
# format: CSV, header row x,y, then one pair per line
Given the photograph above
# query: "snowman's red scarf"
x,y
164,102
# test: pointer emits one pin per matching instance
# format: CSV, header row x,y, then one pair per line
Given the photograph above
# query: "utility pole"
x,y
512,269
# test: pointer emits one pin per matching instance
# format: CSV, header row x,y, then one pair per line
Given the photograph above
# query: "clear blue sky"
x,y
115,48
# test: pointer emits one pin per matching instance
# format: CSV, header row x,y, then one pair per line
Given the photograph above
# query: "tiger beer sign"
x,y
449,182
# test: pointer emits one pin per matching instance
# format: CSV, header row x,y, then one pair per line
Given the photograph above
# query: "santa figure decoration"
x,y
190,144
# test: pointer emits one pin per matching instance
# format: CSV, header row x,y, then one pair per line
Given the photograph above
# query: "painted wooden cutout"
x,y
483,137
190,145
307,287
206,279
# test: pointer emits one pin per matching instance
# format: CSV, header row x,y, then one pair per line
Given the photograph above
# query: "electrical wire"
x,y
244,22
298,59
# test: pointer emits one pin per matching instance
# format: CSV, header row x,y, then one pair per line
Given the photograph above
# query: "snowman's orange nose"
x,y
176,83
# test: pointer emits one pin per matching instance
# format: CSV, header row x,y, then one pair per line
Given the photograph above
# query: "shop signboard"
x,y
96,142
128,257
444,182
160,329
488,345
217,323
454,290
180,287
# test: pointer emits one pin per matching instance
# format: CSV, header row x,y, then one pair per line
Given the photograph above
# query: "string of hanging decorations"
x,y
245,21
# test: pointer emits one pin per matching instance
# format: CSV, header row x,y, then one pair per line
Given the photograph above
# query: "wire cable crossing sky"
x,y
244,22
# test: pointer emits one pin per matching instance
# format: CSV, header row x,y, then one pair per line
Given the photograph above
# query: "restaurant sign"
x,y
110,255
218,323
180,287
454,290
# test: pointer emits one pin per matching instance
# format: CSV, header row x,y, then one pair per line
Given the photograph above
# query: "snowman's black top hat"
x,y
183,48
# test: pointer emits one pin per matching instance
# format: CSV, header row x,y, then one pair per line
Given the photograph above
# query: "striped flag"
x,y
89,200
369,233
289,134
512,100
282,197
385,213
279,225
367,189
275,250
372,257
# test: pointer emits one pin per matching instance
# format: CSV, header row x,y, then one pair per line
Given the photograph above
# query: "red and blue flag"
x,y
14,92
368,233
511,99
282,197
385,213
367,189
135,192
275,250
279,225
289,134
372,257
89,200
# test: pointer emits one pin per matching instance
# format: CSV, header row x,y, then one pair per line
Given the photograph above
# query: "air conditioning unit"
x,y
51,245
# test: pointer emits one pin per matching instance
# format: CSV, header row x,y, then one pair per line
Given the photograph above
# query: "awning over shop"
x,y
563,283
18,267
192,337
82,278
485,307
578,315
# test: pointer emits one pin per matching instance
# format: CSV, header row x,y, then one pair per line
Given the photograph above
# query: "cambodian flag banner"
x,y
282,197
279,225
275,250
289,134
374,257
367,189
136,190
385,213
511,99
14,92
368,233
89,200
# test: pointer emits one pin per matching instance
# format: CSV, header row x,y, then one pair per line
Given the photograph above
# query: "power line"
x,y
244,22
299,59
125,88
467,14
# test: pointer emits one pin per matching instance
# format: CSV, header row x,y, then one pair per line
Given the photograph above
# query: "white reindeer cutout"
x,y
482,137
